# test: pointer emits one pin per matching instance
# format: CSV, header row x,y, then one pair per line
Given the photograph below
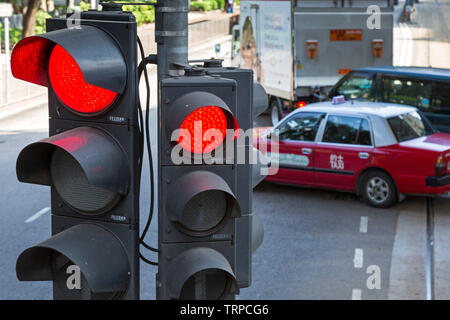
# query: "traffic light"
x,y
92,157
205,219
251,102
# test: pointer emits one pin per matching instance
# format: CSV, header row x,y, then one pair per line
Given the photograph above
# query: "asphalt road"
x,y
308,251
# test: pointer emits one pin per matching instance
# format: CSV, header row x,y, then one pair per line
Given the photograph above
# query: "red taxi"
x,y
379,151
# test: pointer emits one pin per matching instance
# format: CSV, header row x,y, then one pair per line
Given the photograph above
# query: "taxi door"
x,y
343,152
296,144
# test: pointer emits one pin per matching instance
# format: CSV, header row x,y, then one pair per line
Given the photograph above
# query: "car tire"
x,y
275,112
378,189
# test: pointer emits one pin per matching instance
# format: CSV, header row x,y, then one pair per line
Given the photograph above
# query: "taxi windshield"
x,y
356,87
410,126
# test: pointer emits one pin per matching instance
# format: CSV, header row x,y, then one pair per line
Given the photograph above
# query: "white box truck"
x,y
298,49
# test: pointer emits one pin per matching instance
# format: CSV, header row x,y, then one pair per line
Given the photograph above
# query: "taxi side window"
x,y
347,130
441,97
301,127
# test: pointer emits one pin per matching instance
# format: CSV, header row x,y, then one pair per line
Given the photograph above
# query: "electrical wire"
x,y
144,128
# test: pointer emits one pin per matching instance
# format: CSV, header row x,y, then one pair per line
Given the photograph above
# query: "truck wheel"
x,y
378,190
275,112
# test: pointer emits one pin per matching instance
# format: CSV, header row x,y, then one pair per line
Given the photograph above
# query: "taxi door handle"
x,y
363,155
306,150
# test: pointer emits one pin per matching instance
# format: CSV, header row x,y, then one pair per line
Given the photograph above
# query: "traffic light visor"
x,y
86,246
201,274
201,202
84,66
86,166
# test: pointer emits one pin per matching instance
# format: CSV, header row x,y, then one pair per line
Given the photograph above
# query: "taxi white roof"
x,y
381,109
378,112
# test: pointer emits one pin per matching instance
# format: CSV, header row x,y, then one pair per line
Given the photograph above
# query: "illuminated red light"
x,y
28,60
68,83
206,127
301,104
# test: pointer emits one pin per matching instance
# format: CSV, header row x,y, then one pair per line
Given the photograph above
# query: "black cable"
x,y
142,68
147,261
141,153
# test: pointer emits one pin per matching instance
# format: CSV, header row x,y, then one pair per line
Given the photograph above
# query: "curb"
x,y
14,109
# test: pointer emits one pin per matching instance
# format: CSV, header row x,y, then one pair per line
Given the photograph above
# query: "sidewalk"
x,y
424,42
408,267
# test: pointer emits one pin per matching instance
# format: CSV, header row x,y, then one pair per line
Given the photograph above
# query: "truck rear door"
x,y
266,44
333,37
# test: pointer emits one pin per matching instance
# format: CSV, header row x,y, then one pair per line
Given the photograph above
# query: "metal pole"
x,y
430,250
171,35
1,70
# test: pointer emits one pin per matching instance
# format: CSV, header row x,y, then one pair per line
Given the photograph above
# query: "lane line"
x,y
363,224
356,294
38,214
358,259
410,43
404,56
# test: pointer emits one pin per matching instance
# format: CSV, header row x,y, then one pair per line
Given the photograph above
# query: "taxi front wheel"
x,y
275,111
378,190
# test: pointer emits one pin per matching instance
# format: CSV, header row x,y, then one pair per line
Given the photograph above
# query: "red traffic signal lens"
x,y
203,130
69,85
27,60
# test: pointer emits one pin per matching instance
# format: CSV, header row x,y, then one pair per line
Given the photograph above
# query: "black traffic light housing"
x,y
251,102
91,159
210,264
198,206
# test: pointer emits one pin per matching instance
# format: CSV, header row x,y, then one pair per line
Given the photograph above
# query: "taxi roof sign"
x,y
338,99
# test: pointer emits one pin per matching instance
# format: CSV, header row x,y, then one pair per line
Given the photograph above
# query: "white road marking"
x,y
356,294
363,224
401,56
38,214
409,50
406,49
358,260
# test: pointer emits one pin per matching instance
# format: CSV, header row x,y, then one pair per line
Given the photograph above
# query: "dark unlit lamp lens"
x,y
209,284
72,185
205,211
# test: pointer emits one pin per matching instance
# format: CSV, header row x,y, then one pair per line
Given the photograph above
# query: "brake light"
x,y
206,128
69,85
301,104
440,168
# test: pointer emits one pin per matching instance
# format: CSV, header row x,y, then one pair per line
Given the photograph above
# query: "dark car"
x,y
428,89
